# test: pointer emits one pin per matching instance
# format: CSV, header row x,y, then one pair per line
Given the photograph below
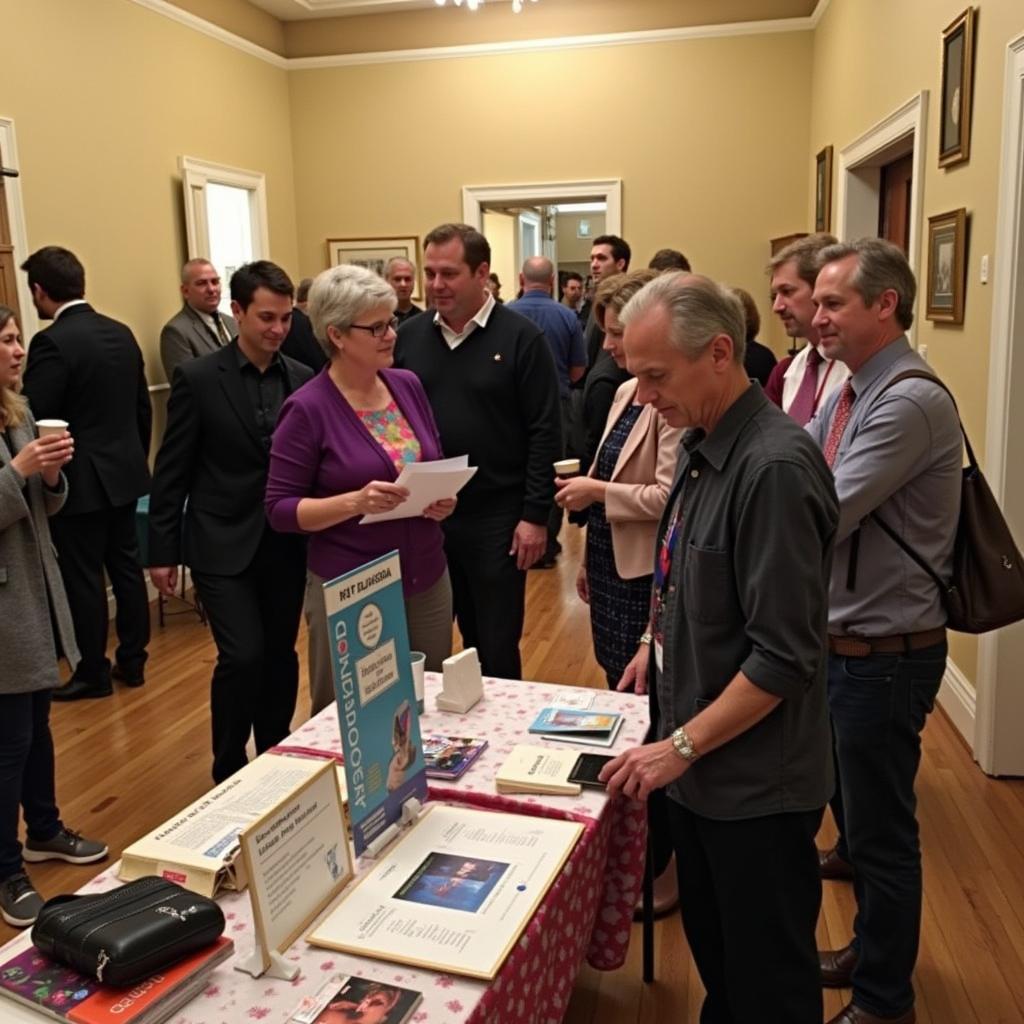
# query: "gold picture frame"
x,y
823,190
955,97
374,253
947,267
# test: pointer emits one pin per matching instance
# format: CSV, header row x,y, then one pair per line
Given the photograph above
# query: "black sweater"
x,y
495,399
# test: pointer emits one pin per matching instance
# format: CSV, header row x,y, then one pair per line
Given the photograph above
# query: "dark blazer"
x,y
186,336
212,454
88,369
301,343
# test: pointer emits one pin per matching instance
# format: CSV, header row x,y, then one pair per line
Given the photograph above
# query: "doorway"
x,y
895,185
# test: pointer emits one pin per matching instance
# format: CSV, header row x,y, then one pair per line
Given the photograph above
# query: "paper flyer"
x,y
373,686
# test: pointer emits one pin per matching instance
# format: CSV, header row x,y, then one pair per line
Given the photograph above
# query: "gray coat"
x,y
186,336
29,660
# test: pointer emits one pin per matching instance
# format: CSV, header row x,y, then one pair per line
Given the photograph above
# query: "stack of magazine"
x,y
570,725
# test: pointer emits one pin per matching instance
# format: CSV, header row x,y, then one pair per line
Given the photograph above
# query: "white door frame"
x,y
608,191
16,219
1000,701
857,200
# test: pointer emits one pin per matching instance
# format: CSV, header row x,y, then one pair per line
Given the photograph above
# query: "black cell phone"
x,y
587,768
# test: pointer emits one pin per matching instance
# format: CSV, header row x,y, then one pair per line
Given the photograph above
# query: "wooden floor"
x,y
126,763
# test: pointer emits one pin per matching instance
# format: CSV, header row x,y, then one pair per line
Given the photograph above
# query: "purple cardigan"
x,y
321,448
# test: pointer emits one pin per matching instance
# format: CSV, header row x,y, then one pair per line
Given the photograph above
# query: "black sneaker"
x,y
19,902
65,845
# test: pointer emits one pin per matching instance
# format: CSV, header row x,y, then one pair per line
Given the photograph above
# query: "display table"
x,y
586,913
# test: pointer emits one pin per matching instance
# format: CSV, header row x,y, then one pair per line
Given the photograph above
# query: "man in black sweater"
x,y
493,387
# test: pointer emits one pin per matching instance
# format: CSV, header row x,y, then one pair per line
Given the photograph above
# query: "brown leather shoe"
x,y
851,1014
832,866
837,966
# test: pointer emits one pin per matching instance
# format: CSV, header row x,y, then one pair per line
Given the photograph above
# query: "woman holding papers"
x,y
339,446
624,492
35,627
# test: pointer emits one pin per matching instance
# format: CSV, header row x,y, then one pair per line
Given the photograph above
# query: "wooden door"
x,y
894,201
8,271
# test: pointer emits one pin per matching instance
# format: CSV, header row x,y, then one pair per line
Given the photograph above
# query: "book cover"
x,y
64,994
589,739
375,696
536,770
572,720
344,1000
449,757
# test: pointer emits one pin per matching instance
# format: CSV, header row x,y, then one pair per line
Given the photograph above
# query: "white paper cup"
x,y
47,428
567,467
418,662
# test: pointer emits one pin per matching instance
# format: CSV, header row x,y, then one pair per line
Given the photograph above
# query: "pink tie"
x,y
840,419
802,406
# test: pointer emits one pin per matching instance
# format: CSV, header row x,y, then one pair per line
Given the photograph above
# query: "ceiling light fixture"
x,y
517,5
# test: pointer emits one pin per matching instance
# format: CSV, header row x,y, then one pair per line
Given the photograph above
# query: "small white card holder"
x,y
463,682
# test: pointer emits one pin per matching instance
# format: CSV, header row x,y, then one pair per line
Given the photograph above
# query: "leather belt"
x,y
903,643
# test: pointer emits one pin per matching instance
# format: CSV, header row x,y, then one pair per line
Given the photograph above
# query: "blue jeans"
x,y
26,774
879,705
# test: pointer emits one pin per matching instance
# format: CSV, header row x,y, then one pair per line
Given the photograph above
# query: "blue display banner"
x,y
380,729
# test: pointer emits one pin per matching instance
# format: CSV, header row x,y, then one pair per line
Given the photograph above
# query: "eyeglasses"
x,y
378,330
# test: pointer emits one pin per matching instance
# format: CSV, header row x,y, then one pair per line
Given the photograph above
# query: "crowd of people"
x,y
790,649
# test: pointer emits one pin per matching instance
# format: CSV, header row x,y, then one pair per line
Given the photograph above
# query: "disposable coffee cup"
x,y
567,467
418,662
47,428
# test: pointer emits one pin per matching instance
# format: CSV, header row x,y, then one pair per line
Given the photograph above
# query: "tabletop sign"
x,y
297,860
376,698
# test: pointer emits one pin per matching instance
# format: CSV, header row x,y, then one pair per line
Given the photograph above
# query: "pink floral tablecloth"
x,y
586,913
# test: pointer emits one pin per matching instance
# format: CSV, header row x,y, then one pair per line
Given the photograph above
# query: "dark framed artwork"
x,y
955,96
823,190
374,253
947,267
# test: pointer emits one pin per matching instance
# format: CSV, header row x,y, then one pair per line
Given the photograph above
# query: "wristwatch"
x,y
683,744
646,638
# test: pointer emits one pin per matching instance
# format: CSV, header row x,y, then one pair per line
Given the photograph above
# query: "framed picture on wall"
x,y
955,97
374,253
823,190
947,267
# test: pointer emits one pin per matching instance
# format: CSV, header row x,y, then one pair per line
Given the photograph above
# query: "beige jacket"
x,y
640,484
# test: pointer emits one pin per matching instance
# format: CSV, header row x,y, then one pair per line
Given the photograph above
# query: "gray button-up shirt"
x,y
747,590
901,456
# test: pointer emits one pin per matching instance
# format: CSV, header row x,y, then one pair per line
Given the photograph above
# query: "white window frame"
x,y
19,234
196,174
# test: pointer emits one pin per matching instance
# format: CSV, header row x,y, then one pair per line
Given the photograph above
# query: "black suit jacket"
x,y
88,369
212,454
301,344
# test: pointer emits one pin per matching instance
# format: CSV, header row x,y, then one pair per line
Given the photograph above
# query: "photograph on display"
x,y
449,757
362,1001
955,97
448,880
374,253
947,269
823,190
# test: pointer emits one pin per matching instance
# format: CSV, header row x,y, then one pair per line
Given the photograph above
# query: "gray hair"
x,y
880,266
190,265
340,295
538,270
398,259
699,310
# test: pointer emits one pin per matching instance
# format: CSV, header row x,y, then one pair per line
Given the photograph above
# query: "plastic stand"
x,y
279,967
411,810
463,682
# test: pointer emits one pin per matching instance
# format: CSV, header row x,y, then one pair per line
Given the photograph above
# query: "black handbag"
x,y
128,934
986,590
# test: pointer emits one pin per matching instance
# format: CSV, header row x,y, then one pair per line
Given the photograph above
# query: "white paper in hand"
x,y
427,482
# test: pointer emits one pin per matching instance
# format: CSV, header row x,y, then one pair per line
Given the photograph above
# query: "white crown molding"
x,y
663,35
222,35
819,12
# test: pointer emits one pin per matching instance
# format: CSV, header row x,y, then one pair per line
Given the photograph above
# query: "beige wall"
x,y
686,182
570,248
870,56
105,96
500,229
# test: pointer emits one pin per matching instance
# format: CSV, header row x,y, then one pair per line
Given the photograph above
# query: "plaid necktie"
x,y
840,418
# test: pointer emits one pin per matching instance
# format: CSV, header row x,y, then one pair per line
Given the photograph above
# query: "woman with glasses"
x,y
339,446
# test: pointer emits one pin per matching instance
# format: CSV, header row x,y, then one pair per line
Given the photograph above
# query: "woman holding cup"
x,y
624,493
35,628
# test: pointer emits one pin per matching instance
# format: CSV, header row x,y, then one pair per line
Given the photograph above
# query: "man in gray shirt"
x,y
896,453
740,738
